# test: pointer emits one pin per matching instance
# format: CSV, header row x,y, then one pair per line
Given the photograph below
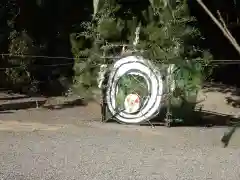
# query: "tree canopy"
x,y
45,30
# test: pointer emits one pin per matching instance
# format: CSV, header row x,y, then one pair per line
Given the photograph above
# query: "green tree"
x,y
7,14
167,34
19,75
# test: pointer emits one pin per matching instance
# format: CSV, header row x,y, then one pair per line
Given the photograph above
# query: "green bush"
x,y
19,74
166,36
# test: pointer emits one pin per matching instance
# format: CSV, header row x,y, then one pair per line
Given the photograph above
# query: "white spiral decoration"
x,y
152,104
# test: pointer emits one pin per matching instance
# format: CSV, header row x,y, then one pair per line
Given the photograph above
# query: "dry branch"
x,y
222,26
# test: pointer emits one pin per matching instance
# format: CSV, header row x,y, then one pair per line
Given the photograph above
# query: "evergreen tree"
x,y
167,35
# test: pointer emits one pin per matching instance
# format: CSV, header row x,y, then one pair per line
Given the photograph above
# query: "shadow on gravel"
x,y
233,99
208,119
68,104
13,98
214,87
6,112
199,119
20,105
5,108
235,102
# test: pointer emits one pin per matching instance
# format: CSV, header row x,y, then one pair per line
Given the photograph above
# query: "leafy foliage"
x,y
130,84
20,73
167,35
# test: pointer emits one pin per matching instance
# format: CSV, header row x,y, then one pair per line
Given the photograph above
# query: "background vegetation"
x,y
34,33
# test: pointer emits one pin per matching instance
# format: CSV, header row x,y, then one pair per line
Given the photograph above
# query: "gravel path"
x,y
95,151
40,144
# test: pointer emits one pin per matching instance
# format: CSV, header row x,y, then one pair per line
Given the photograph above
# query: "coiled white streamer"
x,y
154,81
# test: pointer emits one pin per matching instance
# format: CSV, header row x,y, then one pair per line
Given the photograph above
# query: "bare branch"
x,y
224,30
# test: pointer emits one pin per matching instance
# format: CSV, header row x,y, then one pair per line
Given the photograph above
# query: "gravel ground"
x,y
70,144
95,151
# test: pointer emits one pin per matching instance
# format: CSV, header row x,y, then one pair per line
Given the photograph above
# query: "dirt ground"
x,y
217,101
60,138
